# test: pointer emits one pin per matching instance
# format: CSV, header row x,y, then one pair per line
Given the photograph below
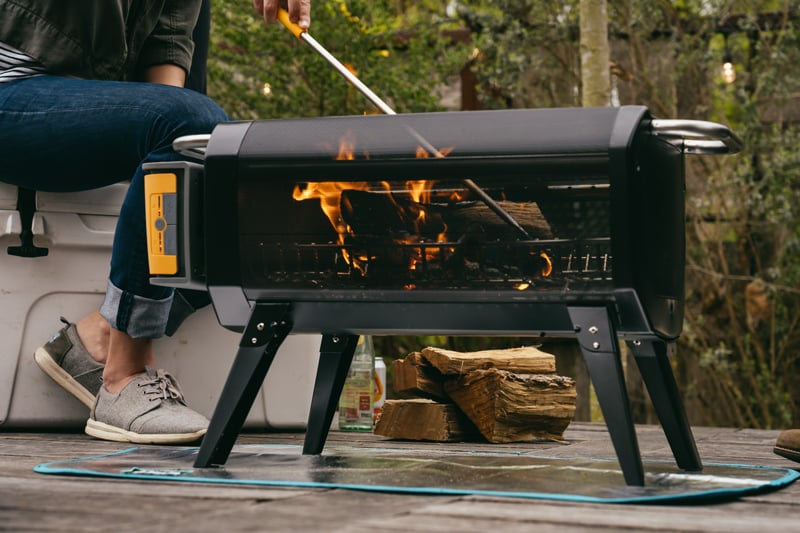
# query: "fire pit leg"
x,y
652,358
335,356
266,330
598,341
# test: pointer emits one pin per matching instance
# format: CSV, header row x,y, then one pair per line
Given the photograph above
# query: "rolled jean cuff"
x,y
136,316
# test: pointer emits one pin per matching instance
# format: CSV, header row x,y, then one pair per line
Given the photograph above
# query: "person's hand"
x,y
299,10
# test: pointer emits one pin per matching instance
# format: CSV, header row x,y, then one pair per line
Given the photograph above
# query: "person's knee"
x,y
206,112
200,113
184,112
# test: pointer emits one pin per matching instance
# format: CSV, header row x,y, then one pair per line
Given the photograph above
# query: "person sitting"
x,y
87,96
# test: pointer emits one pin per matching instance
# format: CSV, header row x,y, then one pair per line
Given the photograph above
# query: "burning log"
x,y
382,213
393,234
373,213
422,419
527,214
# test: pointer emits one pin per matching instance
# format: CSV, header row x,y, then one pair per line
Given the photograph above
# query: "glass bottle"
x,y
356,402
379,395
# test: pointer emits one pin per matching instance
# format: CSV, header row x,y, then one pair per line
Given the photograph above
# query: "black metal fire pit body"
x,y
541,223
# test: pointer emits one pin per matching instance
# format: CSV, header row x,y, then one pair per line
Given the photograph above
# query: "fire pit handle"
x,y
193,146
698,136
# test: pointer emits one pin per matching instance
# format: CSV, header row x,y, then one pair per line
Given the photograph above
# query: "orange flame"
x,y
329,194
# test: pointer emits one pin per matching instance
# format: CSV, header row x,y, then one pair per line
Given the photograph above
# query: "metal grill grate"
x,y
520,266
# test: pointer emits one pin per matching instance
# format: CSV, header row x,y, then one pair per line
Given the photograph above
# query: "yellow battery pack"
x,y
161,206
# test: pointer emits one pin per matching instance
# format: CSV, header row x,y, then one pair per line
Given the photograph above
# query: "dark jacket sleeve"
x,y
171,40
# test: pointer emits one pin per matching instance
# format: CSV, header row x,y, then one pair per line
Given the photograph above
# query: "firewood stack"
x,y
502,395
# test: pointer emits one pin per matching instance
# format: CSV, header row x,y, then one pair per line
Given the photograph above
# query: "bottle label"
x,y
356,402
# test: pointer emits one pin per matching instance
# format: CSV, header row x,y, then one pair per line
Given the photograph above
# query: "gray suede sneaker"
x,y
149,410
65,359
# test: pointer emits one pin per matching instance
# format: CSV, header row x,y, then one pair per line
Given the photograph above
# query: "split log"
x,y
370,213
509,407
414,375
381,214
394,234
423,419
527,214
523,360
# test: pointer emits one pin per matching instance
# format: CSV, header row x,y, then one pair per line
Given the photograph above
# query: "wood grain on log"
x,y
523,360
508,407
423,419
414,375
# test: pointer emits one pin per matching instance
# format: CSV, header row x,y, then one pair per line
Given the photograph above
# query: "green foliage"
x,y
401,60
741,347
505,34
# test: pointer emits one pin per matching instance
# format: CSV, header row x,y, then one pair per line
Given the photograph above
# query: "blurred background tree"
x,y
258,71
738,360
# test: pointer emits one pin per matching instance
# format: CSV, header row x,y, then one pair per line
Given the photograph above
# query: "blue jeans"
x,y
63,134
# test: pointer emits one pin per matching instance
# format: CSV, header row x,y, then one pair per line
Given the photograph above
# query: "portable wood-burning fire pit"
x,y
542,223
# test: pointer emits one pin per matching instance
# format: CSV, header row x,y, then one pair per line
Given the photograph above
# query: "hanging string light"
x,y
728,71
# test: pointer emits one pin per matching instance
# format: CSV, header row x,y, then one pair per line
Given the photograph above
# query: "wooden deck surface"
x,y
36,502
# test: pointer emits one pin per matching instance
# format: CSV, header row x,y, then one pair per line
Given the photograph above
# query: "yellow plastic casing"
x,y
159,219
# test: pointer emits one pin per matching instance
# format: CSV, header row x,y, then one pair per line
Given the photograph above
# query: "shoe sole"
x,y
104,431
793,455
62,377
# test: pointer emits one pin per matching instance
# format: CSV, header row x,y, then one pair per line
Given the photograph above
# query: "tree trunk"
x,y
595,72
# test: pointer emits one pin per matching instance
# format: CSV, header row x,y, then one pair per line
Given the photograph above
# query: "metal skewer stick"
x,y
302,34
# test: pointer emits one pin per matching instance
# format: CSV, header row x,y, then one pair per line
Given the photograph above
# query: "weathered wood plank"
x,y
572,516
35,502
